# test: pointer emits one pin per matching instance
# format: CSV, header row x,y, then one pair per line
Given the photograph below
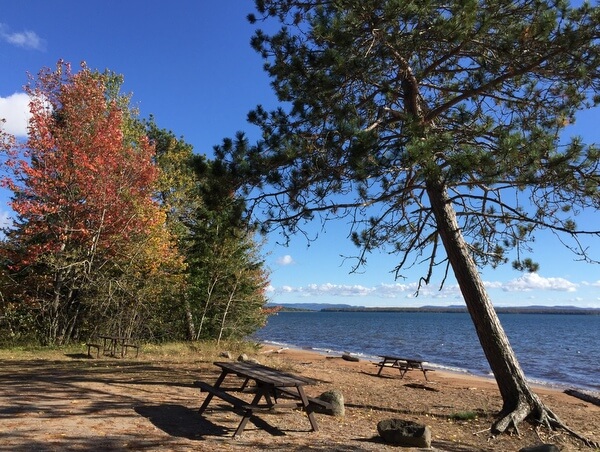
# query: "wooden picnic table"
x,y
270,386
113,345
402,364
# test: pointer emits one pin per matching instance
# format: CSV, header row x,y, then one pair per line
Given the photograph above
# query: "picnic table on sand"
x,y
271,389
402,364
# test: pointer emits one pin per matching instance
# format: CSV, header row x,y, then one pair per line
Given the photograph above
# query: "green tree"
x,y
227,275
435,127
222,294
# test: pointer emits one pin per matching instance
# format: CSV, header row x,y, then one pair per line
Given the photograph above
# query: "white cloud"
x,y
285,260
25,39
15,110
338,290
358,290
533,281
530,282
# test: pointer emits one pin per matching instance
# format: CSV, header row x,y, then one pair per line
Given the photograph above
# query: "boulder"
x,y
336,399
404,433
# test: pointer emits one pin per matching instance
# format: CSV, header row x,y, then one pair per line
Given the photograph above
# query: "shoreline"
x,y
447,373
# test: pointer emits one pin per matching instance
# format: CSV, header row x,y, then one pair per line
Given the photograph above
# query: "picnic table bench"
x,y
402,364
270,387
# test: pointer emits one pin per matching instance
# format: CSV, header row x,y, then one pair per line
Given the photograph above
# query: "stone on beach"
x,y
404,433
336,399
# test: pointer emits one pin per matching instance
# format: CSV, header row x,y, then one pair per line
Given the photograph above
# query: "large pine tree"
x,y
435,128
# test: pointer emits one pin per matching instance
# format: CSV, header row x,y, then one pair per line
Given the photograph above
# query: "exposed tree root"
x,y
540,415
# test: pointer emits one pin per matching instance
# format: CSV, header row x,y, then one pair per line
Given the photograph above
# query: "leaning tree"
x,y
436,128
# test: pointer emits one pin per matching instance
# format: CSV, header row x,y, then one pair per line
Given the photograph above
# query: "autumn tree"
x,y
436,129
177,189
83,186
178,194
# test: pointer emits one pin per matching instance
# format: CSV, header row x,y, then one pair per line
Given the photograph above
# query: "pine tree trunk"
x,y
519,402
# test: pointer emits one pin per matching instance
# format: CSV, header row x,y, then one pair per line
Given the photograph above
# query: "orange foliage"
x,y
77,183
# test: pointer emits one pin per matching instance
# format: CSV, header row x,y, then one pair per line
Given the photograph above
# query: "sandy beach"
x,y
72,403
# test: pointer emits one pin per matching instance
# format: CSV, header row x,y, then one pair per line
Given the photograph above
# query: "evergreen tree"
x,y
227,275
223,294
435,128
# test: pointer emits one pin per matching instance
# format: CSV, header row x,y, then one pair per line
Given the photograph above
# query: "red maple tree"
x,y
83,186
77,182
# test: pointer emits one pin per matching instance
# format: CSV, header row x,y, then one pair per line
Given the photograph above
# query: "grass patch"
x,y
172,351
464,416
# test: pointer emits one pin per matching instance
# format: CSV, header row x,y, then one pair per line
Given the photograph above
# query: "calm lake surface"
x,y
554,349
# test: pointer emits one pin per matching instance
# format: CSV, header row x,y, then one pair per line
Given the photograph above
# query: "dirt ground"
x,y
69,402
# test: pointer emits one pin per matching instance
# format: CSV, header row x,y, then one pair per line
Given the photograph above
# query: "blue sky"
x,y
189,64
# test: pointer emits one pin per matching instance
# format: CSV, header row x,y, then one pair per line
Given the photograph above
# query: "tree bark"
x,y
519,401
189,317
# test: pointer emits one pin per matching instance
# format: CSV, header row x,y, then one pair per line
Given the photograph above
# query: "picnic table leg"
x,y
403,369
246,381
308,409
381,368
209,395
243,422
107,346
260,393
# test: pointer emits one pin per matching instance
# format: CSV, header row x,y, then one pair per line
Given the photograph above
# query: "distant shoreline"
x,y
557,310
446,310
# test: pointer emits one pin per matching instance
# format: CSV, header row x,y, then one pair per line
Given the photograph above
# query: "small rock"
x,y
541,448
225,355
404,433
243,357
336,399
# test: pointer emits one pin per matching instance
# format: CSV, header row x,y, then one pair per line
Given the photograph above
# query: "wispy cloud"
x,y
15,110
25,39
285,260
592,284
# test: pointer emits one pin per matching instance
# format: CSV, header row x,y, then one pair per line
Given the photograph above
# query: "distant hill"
x,y
313,306
327,307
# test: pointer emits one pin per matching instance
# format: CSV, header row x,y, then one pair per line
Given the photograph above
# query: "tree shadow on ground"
x,y
446,446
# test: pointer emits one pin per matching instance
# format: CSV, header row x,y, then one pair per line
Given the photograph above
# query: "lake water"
x,y
555,349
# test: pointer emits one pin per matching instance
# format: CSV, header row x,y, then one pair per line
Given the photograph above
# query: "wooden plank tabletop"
x,y
264,374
